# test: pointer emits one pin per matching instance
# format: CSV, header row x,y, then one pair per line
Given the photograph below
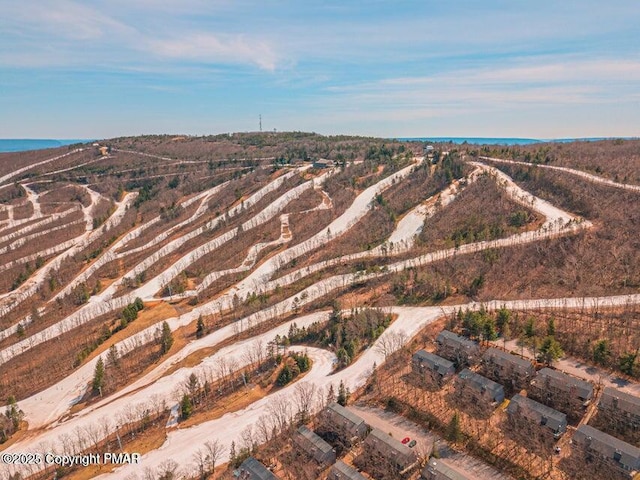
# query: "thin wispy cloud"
x,y
80,32
554,82
610,70
548,70
63,19
208,47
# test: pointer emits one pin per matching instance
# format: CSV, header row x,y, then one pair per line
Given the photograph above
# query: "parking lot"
x,y
400,428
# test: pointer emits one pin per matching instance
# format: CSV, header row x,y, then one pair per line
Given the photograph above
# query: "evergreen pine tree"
x,y
342,394
627,362
489,329
166,338
551,327
113,357
601,352
138,303
285,376
343,357
506,333
331,394
98,377
13,413
502,319
200,327
186,407
454,432
550,351
193,384
530,328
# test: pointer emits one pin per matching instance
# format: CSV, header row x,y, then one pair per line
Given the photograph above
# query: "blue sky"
x,y
98,69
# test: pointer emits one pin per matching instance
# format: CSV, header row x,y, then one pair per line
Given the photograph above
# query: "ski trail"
x,y
587,176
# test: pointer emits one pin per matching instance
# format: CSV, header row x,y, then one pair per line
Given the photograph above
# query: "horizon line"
x,y
407,138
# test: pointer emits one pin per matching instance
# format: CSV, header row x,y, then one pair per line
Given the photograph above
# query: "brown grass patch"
x,y
153,313
231,403
17,436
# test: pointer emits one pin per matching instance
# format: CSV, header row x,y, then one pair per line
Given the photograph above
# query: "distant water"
x,y
504,141
22,145
474,140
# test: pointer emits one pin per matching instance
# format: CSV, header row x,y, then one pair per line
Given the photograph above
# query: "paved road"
x,y
400,427
579,369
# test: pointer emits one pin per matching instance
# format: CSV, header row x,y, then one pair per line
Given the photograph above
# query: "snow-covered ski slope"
x,y
207,234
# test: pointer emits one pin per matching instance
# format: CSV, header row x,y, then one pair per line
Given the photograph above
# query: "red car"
x,y
406,440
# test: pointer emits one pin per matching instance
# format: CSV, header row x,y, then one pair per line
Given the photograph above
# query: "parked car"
x,y
412,443
406,440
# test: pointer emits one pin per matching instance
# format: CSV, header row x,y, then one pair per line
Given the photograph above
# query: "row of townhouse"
x,y
350,429
620,411
605,453
558,390
562,392
535,421
526,416
477,393
553,399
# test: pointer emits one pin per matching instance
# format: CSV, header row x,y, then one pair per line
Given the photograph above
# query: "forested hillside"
x,y
155,283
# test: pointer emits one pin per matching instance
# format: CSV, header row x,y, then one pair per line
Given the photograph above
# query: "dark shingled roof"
x,y
314,438
565,382
436,466
344,413
608,446
450,338
480,383
504,358
390,441
551,418
391,448
434,362
625,401
256,470
347,471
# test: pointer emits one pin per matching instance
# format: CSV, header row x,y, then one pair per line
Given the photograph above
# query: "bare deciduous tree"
x,y
149,474
247,438
222,369
254,354
167,469
390,342
304,398
280,409
214,451
264,427
200,461
93,434
105,425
